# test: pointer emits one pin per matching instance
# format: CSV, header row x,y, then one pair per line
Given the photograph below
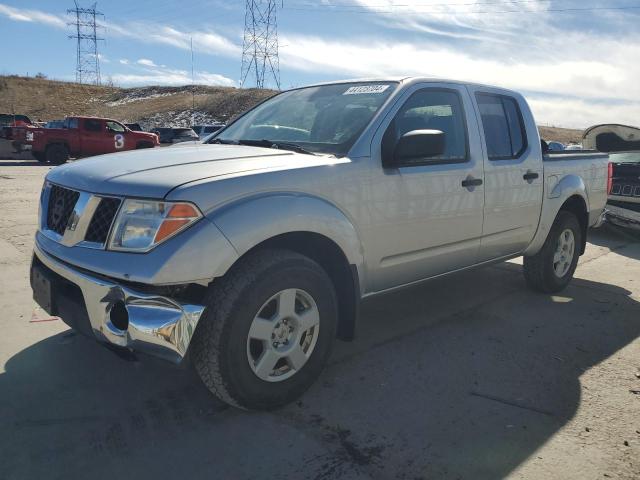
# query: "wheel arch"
x,y
310,226
577,205
568,194
53,143
326,253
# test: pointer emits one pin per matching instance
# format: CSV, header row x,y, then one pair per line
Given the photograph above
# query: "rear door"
x,y
513,173
93,137
426,215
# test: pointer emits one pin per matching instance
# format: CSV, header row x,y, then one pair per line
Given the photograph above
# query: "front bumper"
x,y
155,324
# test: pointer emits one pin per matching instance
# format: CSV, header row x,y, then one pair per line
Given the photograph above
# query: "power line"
x,y
86,34
260,44
358,5
412,9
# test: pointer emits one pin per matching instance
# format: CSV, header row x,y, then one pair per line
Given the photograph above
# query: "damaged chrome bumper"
x,y
623,215
122,316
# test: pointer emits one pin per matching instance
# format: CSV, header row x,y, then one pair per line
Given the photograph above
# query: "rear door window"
x,y
93,125
503,126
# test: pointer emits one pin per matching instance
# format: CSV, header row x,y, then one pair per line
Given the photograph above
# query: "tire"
x,y
57,154
39,156
144,145
228,361
541,271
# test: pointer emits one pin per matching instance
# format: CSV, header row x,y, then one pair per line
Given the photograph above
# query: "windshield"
x,y
626,157
325,119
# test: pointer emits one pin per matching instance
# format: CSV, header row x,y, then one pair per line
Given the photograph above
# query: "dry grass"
x,y
43,99
562,135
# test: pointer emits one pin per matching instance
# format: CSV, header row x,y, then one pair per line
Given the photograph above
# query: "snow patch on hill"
x,y
181,118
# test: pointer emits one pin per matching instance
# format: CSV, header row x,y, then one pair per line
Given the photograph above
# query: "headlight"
x,y
143,224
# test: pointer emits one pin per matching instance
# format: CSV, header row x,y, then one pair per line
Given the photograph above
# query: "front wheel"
x,y
267,331
551,269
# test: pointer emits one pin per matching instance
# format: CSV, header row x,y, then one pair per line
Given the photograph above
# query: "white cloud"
x,y
578,113
207,42
25,15
124,61
146,62
166,76
588,77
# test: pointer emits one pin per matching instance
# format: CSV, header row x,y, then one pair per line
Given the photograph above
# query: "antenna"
x,y
193,87
260,44
86,33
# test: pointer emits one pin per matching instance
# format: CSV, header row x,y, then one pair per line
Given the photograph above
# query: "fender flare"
x,y
557,192
252,220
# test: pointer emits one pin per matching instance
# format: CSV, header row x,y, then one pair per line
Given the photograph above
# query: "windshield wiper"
x,y
294,147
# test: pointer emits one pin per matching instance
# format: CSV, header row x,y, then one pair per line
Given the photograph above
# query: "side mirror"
x,y
418,144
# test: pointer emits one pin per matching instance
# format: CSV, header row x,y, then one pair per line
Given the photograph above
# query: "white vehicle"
x,y
574,147
252,252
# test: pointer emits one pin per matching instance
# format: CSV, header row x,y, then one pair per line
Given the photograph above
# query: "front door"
x,y
117,137
513,174
425,216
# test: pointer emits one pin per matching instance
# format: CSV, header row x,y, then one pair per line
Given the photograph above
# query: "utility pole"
x,y
86,34
260,62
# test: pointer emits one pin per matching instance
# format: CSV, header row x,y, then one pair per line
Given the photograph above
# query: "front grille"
x,y
61,204
102,219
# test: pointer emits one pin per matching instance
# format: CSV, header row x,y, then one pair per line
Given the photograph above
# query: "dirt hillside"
x,y
43,99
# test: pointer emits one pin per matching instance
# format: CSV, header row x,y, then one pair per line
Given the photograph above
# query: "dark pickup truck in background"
x,y
83,137
622,142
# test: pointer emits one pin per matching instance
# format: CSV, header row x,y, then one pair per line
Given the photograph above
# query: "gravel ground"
x,y
471,376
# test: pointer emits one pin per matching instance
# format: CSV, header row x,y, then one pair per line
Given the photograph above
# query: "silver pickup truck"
x,y
250,253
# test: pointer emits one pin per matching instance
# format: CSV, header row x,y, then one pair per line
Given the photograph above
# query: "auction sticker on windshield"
x,y
363,89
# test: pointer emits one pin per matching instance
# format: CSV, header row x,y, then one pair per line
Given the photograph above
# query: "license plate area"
x,y
41,286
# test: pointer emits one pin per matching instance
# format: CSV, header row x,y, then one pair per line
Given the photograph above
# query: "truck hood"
x,y
153,173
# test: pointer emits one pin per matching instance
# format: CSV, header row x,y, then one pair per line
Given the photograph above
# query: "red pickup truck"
x,y
84,137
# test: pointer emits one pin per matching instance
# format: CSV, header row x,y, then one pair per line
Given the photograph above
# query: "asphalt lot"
x,y
471,376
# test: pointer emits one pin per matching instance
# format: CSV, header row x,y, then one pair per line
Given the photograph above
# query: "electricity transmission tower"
x,y
86,33
260,44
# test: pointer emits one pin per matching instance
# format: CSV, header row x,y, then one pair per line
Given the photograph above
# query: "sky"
x,y
576,61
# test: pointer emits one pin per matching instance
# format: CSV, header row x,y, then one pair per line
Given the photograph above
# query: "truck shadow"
x,y
437,386
617,238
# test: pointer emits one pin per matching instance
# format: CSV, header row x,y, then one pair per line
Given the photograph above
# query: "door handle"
x,y
529,176
471,182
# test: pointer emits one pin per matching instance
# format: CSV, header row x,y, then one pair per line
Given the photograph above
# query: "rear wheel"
x,y
57,154
551,269
39,156
267,331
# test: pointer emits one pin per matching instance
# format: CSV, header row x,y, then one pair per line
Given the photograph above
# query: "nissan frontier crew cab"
x,y
249,254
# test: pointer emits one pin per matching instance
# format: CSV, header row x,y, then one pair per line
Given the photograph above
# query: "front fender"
x,y
557,192
250,221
